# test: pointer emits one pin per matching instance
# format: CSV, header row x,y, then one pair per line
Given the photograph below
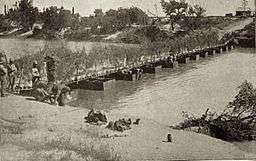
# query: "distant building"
x,y
247,13
229,15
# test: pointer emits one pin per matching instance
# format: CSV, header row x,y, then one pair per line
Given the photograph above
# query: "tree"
x,y
51,19
98,13
24,15
5,24
111,13
199,11
191,11
194,20
57,19
13,15
175,10
244,102
138,16
27,14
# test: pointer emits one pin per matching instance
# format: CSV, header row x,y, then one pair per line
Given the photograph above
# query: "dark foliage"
x,y
237,122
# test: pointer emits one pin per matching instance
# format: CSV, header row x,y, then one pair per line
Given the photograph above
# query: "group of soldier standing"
x,y
52,90
49,90
8,75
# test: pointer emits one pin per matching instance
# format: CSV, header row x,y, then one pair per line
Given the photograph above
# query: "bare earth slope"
x,y
235,26
37,131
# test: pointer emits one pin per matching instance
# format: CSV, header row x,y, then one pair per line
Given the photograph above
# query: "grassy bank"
x,y
112,56
101,57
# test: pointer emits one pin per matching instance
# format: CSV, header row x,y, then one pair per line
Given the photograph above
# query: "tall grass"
x,y
70,151
112,56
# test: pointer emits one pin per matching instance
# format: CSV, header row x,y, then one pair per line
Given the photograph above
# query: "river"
x,y
194,87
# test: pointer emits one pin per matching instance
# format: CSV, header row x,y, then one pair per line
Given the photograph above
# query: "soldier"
x,y
35,73
12,73
50,68
170,59
40,91
59,94
3,73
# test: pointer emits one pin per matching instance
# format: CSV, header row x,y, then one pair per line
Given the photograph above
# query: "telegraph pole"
x,y
5,9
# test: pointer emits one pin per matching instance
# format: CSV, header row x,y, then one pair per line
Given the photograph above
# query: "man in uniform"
x,y
50,68
59,94
3,73
12,72
35,73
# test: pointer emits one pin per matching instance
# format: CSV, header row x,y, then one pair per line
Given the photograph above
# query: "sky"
x,y
86,7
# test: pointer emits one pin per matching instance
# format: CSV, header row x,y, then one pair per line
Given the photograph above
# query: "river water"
x,y
194,87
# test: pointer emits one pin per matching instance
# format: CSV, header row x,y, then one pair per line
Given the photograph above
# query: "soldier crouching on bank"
x,y
59,94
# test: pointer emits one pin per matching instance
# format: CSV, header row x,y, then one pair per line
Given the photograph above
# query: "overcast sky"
x,y
86,7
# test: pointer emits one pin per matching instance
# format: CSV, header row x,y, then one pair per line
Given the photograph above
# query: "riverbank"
x,y
36,131
97,59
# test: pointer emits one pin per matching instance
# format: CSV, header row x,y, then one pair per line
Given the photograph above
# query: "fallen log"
x,y
237,122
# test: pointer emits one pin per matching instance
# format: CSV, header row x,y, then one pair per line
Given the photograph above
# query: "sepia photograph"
x,y
127,80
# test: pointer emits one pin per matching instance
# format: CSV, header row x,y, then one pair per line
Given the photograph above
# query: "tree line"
x,y
24,15
57,19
